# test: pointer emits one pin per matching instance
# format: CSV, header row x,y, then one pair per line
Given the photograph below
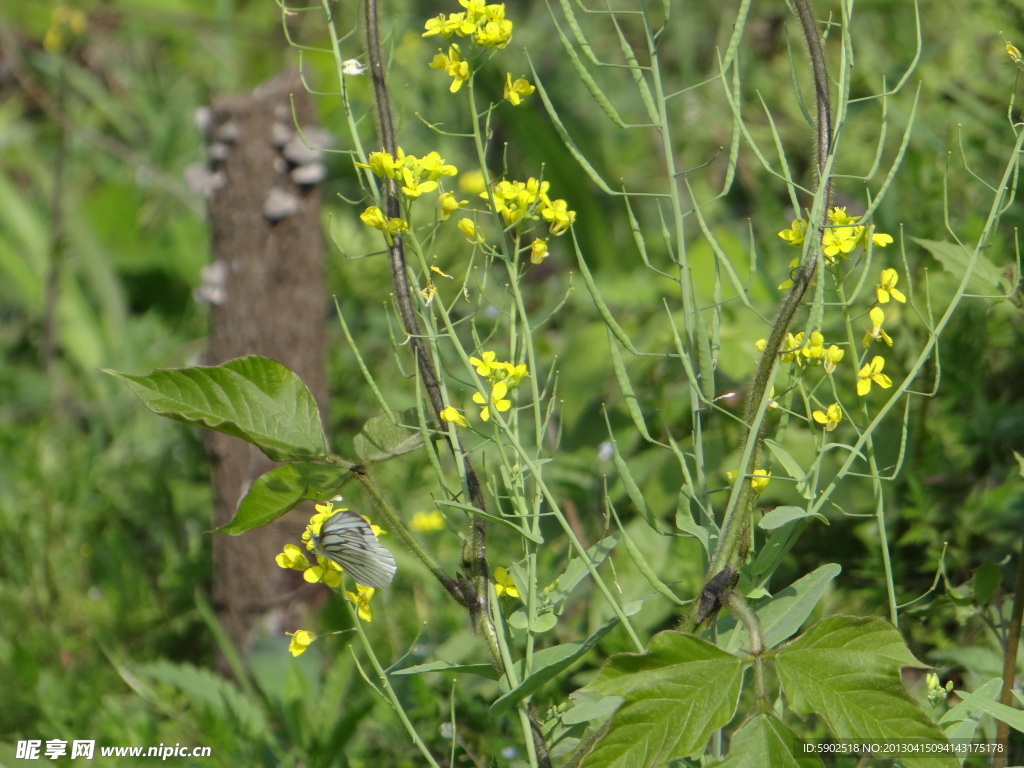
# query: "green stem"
x,y
734,544
387,691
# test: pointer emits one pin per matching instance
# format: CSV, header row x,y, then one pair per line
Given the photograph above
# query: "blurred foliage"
x,y
105,507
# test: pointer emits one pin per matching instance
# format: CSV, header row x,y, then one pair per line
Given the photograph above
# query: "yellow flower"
x,y
503,583
1013,52
538,251
497,401
452,416
791,348
454,66
374,217
495,33
832,356
839,241
484,364
424,522
881,240
428,292
875,332
361,599
829,418
872,372
760,479
814,350
301,640
795,234
557,213
468,228
514,373
516,90
293,558
449,204
886,287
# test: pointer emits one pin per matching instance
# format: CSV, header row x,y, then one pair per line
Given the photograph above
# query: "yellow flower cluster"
x,y
519,201
840,238
415,175
502,377
485,24
66,24
811,353
324,571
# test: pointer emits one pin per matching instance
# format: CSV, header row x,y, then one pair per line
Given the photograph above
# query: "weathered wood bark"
x,y
266,287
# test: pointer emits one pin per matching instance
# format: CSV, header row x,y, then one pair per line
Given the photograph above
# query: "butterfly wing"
x,y
347,539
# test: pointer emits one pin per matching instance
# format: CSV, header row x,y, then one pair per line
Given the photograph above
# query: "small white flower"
x,y
352,67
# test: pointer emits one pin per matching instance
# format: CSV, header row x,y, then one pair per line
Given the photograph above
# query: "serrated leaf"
x,y
254,398
386,436
676,694
278,491
779,516
846,670
956,260
548,664
765,742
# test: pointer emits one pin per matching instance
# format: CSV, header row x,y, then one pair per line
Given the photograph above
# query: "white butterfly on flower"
x,y
348,540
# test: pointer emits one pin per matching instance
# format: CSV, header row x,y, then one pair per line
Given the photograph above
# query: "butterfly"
x,y
348,540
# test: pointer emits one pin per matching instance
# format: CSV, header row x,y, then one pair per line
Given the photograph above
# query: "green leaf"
x,y
676,694
542,622
789,609
278,491
791,465
986,579
779,516
203,687
847,671
548,664
685,521
387,436
481,670
577,570
254,398
764,742
986,701
955,259
589,706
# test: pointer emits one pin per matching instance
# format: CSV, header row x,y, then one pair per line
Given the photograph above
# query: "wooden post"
x,y
266,289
